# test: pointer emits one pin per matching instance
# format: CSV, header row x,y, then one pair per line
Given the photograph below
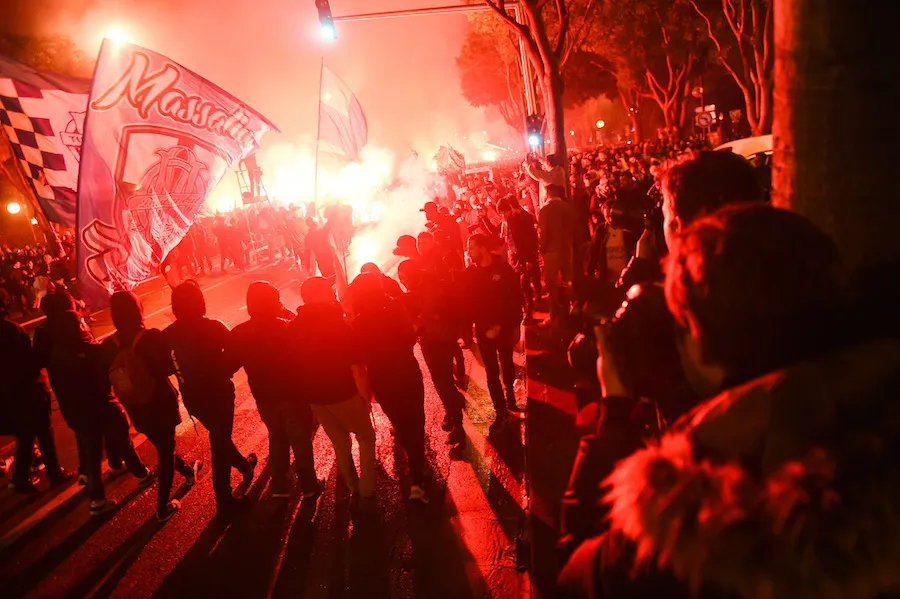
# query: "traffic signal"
x,y
326,21
533,124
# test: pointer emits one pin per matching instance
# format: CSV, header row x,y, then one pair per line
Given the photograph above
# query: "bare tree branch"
x,y
562,14
577,40
739,79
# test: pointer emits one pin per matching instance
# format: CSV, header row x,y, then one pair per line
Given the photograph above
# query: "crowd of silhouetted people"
x,y
739,383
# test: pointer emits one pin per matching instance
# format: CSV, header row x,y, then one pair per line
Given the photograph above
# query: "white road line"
x,y
31,521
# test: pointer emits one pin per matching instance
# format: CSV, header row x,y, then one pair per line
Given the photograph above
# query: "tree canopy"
x,y
657,49
57,54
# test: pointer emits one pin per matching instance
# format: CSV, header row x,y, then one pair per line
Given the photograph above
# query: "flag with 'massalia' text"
x,y
158,139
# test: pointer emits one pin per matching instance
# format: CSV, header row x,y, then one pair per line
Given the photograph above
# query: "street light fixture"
x,y
601,124
326,20
14,207
117,35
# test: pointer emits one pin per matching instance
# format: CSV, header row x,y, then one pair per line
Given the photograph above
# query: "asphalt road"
x,y
463,544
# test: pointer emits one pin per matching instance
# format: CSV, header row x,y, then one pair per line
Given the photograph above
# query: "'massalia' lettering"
x,y
146,92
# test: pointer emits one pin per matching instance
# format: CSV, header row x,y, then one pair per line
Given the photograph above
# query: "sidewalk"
x,y
550,450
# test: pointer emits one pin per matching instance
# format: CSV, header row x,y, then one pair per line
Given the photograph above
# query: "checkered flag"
x,y
42,116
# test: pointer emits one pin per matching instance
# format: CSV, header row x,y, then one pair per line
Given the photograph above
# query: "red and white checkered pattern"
x,y
35,121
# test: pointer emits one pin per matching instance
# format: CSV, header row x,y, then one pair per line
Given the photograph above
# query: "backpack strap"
x,y
138,338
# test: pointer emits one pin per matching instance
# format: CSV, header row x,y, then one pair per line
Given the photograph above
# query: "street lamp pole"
x,y
530,100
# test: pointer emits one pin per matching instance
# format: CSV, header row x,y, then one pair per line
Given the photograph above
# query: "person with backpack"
x,y
198,344
139,363
25,404
260,347
67,349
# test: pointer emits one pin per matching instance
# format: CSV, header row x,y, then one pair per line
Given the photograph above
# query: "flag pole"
x,y
318,133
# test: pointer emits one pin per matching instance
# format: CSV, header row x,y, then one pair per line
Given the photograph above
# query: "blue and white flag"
x,y
343,129
42,114
158,139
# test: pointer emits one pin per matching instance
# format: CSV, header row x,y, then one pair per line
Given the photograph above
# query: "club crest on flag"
x,y
157,139
74,133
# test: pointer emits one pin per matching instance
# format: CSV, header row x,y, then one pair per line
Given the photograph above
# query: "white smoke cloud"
x,y
386,194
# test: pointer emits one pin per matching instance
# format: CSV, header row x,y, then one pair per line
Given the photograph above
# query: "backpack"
x,y
130,377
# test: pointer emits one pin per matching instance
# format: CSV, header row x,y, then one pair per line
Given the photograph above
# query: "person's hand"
x,y
493,332
611,384
646,245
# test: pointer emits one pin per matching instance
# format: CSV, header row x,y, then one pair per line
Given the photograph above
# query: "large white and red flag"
x,y
41,116
343,130
157,140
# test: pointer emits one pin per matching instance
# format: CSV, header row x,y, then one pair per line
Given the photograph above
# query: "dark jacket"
x,y
323,350
162,413
493,296
435,311
638,271
557,227
260,346
24,398
74,365
524,235
788,485
198,346
386,338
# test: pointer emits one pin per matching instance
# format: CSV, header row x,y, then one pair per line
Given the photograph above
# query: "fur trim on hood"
x,y
787,487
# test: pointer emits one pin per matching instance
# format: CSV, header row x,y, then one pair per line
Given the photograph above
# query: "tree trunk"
x,y
556,120
836,127
766,113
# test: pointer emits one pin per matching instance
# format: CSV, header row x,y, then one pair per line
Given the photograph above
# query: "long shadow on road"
x,y
234,558
33,574
552,445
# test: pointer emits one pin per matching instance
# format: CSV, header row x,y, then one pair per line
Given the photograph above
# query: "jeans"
x,y
498,358
112,430
529,271
341,419
404,405
290,427
558,273
439,357
25,452
164,442
225,455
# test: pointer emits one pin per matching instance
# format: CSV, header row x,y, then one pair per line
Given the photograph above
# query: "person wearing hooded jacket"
x,y
260,347
198,346
329,366
385,334
785,484
157,418
25,403
71,355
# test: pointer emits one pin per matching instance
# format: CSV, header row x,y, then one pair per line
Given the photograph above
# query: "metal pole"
x,y
530,100
433,10
318,133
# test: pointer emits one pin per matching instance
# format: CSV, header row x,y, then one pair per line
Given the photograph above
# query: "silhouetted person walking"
x,y
198,345
139,363
260,346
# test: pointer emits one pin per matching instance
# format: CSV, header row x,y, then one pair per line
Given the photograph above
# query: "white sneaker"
x,y
417,493
102,506
171,507
118,471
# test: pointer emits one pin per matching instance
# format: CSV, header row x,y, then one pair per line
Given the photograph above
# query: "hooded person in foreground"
x,y
785,484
